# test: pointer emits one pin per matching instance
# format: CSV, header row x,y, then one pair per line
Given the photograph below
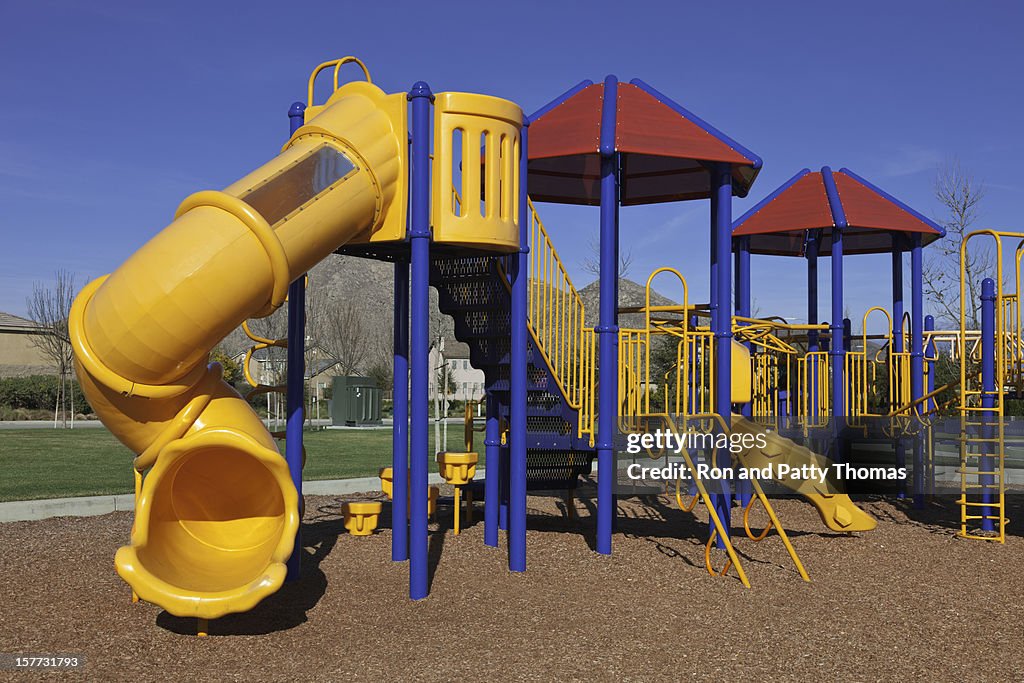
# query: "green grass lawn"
x,y
61,463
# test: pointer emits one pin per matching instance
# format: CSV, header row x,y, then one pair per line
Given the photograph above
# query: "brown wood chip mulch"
x,y
907,601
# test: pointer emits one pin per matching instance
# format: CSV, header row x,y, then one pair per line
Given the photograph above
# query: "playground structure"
x,y
218,508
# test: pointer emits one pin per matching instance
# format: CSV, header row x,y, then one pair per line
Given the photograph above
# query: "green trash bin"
x,y
355,401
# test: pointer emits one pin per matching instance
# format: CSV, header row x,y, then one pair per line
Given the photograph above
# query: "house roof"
x,y
871,219
664,149
13,323
452,348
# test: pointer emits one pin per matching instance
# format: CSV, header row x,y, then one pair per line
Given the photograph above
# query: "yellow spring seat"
x,y
361,516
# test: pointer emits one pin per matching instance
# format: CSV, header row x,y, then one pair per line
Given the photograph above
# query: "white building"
x,y
465,382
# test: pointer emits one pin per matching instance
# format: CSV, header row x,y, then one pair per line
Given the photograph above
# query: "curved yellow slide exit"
x,y
218,512
837,511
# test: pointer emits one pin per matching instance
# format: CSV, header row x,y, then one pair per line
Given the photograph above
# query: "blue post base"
x,y
492,477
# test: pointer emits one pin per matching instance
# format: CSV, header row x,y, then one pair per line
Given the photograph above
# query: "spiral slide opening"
x,y
217,520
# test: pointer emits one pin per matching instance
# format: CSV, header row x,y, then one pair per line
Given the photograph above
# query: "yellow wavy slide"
x,y
836,510
218,513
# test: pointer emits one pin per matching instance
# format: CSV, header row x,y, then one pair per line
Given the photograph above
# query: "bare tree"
x,y
960,193
49,307
339,333
273,327
445,387
592,263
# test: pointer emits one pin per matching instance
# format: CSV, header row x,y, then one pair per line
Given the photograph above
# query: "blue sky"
x,y
115,111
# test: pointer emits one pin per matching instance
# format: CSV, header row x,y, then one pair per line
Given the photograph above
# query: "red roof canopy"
x,y
779,223
664,150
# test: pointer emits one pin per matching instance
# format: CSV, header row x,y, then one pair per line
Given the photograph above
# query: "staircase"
x,y
475,291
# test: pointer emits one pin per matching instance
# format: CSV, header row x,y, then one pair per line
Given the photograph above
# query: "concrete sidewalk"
x,y
87,506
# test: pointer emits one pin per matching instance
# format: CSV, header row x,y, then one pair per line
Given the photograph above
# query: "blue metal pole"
x,y
929,326
400,433
503,472
812,319
917,359
988,397
932,403
848,346
607,329
296,377
897,343
419,342
897,294
743,488
812,288
721,322
836,351
492,469
517,377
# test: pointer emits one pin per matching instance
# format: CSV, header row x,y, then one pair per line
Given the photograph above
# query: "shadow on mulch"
x,y
286,608
942,515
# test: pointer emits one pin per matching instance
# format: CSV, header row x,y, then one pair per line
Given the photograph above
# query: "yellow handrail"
x,y
557,323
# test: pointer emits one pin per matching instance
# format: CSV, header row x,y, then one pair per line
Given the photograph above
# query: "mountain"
x,y
631,295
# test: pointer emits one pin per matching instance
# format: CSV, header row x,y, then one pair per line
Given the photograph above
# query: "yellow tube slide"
x,y
836,510
218,513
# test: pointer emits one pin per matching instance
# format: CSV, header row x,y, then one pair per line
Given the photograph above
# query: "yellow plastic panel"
x,y
372,126
485,214
742,385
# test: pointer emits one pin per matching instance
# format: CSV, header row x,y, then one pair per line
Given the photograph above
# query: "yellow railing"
x,y
557,322
558,325
812,400
765,394
983,442
634,388
861,369
686,387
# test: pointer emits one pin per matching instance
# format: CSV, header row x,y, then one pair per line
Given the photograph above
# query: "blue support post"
x,y
400,429
837,352
897,294
296,378
931,404
897,343
743,488
492,471
517,379
811,252
929,326
419,341
917,359
503,472
607,329
721,323
848,346
988,398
